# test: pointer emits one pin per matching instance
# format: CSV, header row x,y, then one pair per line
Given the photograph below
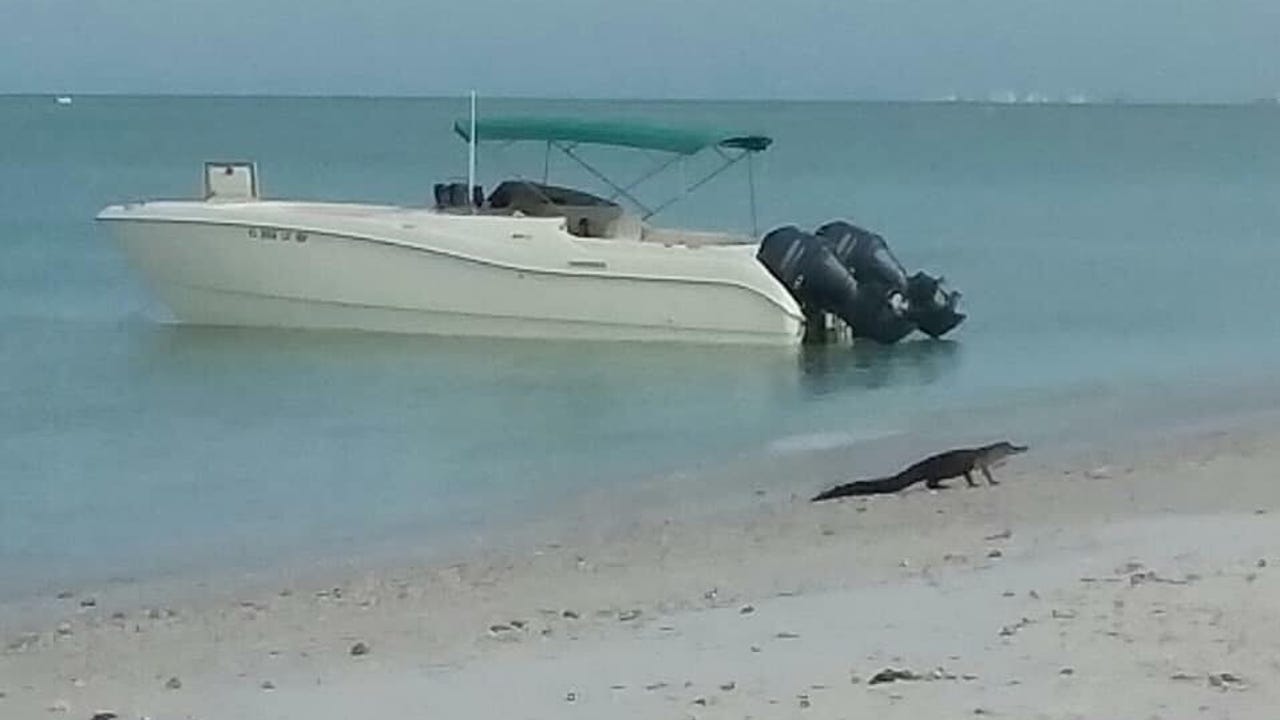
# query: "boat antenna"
x,y
471,155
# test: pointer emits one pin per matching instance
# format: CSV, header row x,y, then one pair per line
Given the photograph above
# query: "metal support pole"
x,y
654,171
471,156
729,162
567,150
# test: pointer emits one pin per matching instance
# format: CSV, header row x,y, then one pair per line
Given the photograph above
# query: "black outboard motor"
x,y
820,282
931,306
864,252
880,314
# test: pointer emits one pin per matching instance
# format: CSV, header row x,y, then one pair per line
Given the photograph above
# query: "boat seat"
x,y
589,221
454,195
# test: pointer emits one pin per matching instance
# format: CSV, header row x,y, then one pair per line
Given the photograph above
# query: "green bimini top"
x,y
643,136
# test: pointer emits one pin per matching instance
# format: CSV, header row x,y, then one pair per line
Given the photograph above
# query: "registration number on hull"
x,y
264,233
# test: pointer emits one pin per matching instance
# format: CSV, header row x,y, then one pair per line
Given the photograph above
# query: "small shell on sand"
x,y
655,686
889,675
1224,680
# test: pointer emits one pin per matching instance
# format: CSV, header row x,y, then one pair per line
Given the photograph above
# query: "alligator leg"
x,y
968,477
990,480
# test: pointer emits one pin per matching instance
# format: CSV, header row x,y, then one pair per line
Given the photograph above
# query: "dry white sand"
x,y
1065,592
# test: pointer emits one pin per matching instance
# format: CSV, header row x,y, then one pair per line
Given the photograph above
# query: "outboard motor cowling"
x,y
864,252
929,304
805,265
807,268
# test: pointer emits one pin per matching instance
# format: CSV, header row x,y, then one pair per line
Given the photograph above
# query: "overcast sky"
x,y
1143,49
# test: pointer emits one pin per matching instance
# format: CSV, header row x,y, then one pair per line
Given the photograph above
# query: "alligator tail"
x,y
879,486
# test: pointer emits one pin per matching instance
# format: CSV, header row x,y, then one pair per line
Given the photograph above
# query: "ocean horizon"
x,y
1013,98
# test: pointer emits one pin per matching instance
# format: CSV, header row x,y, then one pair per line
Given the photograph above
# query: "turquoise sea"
x,y
1119,265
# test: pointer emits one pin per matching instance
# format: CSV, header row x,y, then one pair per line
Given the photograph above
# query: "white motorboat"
x,y
529,260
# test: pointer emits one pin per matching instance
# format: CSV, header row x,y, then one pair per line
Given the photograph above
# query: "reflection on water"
x,y
571,367
592,373
837,368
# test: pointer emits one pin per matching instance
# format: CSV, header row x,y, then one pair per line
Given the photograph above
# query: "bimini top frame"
x,y
566,134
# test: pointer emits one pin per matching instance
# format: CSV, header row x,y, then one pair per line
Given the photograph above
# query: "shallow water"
x,y
1117,265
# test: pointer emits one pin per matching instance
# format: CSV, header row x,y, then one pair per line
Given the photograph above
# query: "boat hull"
x,y
250,273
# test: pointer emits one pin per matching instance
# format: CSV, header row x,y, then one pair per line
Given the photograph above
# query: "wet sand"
x,y
1103,585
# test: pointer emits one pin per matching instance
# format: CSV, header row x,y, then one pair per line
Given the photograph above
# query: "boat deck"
x,y
399,217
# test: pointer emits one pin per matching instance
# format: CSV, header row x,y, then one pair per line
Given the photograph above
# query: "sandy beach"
x,y
1139,585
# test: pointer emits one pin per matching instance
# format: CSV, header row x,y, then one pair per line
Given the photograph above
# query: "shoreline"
x,y
681,585
704,492
712,493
